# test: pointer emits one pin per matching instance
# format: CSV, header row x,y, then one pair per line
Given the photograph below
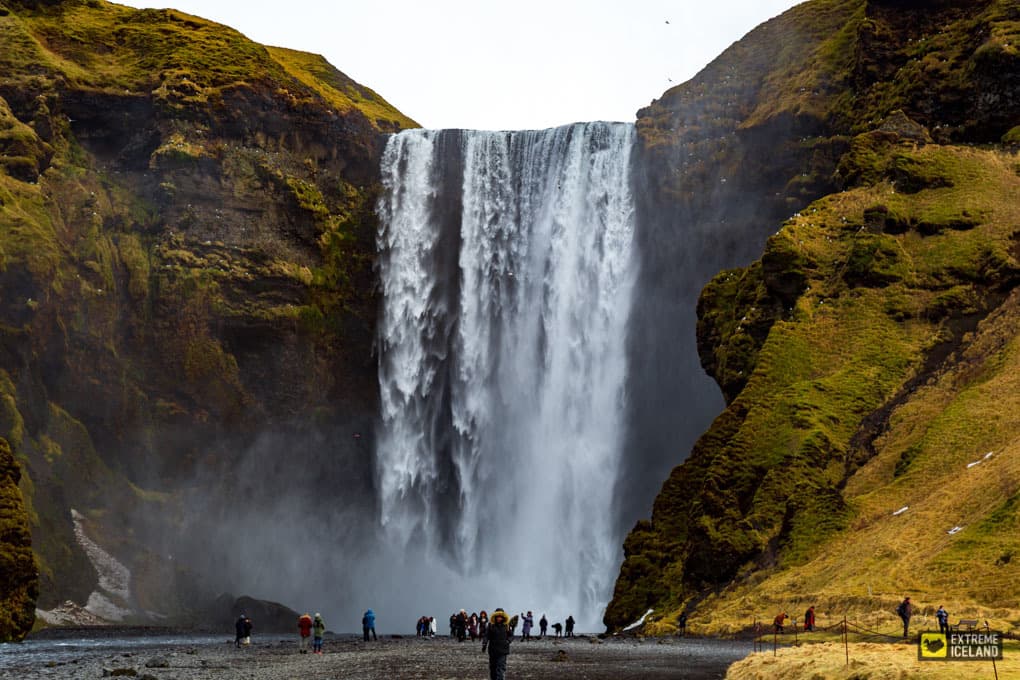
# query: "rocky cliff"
x,y
866,354
186,239
19,581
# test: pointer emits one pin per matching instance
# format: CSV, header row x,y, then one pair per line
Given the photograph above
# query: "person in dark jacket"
x,y
942,616
368,624
497,643
543,625
681,624
570,626
239,630
905,611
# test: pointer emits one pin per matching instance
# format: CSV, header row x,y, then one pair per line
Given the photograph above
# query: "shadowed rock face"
x,y
770,126
186,240
19,582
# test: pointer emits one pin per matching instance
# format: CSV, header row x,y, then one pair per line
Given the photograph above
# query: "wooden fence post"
x,y
846,641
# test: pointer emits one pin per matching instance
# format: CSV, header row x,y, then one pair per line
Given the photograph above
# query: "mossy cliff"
x,y
186,239
19,581
867,355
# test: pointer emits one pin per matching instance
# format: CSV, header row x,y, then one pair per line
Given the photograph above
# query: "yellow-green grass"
x,y
177,56
842,352
867,661
339,90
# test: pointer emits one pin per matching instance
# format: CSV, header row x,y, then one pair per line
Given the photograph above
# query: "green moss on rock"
x,y
18,573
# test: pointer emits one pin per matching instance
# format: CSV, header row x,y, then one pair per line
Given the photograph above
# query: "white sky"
x,y
501,65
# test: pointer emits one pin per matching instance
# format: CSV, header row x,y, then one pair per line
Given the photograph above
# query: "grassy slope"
x,y
843,351
855,300
115,48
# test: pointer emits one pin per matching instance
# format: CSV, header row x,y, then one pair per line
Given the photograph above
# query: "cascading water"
x,y
507,274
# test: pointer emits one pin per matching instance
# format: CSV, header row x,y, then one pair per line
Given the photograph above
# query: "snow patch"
x,y
68,614
981,460
114,577
901,510
639,621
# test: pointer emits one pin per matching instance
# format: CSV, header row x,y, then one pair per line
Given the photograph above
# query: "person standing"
x,y
905,611
570,626
368,624
304,624
247,631
529,623
681,624
543,625
432,626
809,619
497,643
779,622
942,616
239,630
319,630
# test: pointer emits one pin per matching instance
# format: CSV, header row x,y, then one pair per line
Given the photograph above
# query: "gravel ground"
x,y
349,658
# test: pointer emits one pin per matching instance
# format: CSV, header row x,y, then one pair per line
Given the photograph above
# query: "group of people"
x,y
307,626
905,610
426,627
474,626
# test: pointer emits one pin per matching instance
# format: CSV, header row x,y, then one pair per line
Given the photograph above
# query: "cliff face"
x,y
19,581
186,239
862,116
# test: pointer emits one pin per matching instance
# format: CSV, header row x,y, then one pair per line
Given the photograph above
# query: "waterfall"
x,y
507,274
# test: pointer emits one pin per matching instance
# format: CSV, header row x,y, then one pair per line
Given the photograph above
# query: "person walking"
x,y
319,631
681,624
942,616
497,642
543,625
570,626
368,624
905,611
809,619
483,623
304,624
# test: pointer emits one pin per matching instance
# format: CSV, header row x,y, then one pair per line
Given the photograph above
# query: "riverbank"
x,y
348,657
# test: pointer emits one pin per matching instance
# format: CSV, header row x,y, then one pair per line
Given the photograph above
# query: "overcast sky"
x,y
501,65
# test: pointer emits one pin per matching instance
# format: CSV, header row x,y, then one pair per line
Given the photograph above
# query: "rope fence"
x,y
763,629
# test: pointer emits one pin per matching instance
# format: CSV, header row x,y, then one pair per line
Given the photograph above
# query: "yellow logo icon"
x,y
933,646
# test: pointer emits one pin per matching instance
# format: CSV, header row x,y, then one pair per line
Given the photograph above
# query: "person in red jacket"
x,y
304,624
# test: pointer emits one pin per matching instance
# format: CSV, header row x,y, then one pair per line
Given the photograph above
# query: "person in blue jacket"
x,y
368,624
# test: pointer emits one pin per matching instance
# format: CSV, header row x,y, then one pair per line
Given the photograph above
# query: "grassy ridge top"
x,y
94,44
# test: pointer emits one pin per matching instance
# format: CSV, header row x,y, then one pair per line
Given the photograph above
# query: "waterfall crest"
x,y
507,275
